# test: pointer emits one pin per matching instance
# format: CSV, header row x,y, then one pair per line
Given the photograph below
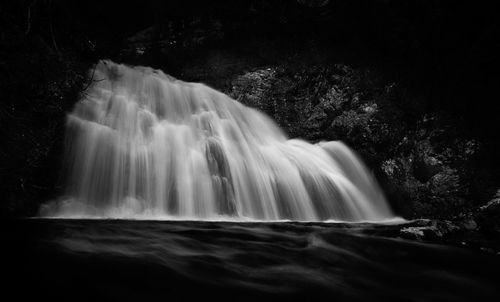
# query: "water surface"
x,y
178,260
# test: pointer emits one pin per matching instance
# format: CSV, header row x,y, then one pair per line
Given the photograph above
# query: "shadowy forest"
x,y
410,85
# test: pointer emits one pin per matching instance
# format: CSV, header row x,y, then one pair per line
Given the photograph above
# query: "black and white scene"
x,y
250,150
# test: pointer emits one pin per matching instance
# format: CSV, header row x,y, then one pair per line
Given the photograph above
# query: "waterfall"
x,y
141,144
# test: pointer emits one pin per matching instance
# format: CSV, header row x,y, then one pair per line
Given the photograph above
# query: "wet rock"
x,y
429,230
469,225
413,232
488,217
493,206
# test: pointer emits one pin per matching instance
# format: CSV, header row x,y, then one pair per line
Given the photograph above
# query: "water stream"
x,y
141,144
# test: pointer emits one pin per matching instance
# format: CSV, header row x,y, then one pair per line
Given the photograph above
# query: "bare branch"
x,y
91,80
52,30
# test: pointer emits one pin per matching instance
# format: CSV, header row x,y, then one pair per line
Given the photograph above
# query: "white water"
x,y
141,144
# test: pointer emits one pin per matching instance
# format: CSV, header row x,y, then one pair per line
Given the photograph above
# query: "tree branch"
x,y
28,17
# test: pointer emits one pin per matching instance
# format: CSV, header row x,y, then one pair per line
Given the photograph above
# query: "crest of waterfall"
x,y
142,144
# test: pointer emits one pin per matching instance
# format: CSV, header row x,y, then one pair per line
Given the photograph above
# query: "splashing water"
x,y
141,144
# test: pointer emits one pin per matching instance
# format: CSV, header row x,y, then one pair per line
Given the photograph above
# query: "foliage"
x,y
39,84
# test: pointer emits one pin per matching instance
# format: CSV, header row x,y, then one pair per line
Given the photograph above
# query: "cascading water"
x,y
141,144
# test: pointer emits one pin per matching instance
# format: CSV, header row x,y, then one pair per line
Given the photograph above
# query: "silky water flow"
x,y
141,144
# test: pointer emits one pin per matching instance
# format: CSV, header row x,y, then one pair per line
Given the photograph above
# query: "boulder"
x,y
428,230
488,217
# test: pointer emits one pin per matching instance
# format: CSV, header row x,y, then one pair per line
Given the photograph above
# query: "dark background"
x,y
411,85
